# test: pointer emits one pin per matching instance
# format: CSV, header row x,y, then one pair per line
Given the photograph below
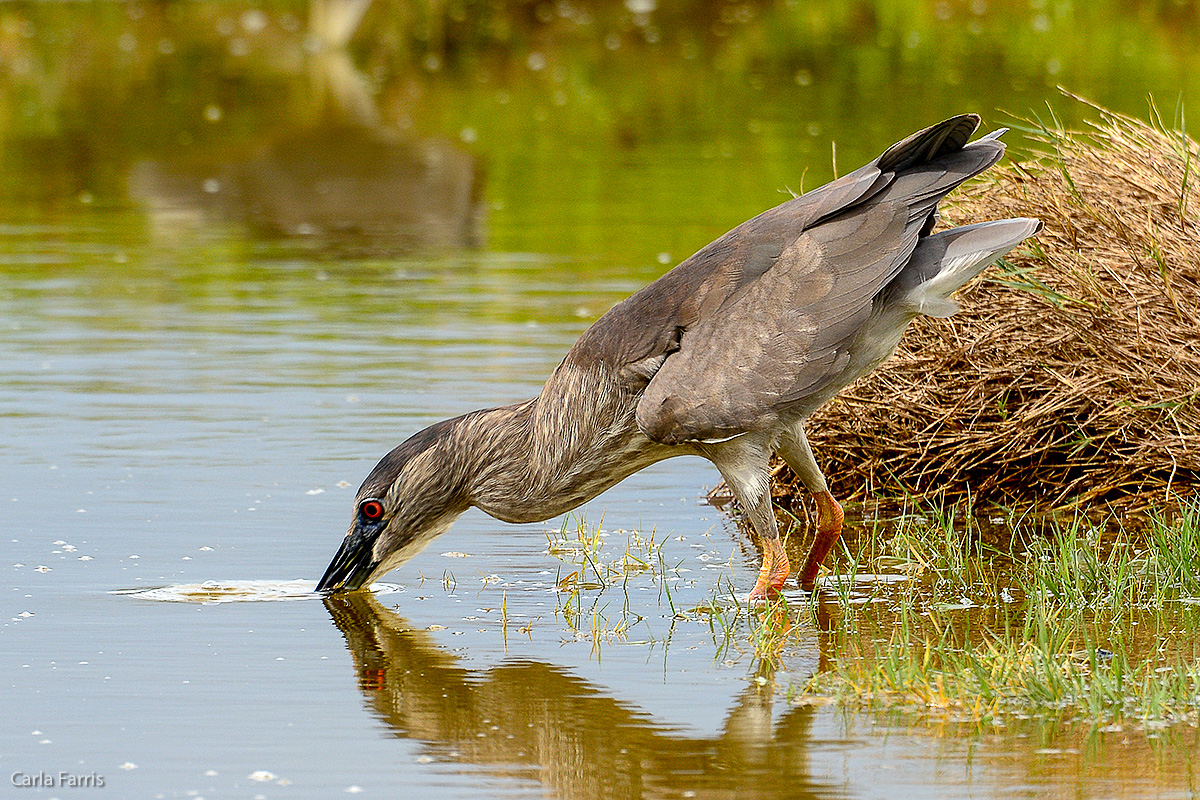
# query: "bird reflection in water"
x,y
542,723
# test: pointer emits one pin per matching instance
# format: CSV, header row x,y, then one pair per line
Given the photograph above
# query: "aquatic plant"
x,y
1093,622
591,571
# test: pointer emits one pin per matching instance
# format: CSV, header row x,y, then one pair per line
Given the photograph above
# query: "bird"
x,y
725,356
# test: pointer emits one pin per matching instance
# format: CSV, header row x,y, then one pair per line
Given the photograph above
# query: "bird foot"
x,y
774,572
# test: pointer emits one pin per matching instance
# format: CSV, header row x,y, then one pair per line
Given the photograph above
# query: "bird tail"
x,y
944,262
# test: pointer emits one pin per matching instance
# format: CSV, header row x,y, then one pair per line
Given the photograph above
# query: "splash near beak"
x,y
352,565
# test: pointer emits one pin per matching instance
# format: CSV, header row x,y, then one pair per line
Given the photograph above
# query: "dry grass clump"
x,y
1072,373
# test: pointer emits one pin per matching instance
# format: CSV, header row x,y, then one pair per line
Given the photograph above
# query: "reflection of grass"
x,y
582,546
591,570
1085,623
773,627
1052,666
592,574
763,631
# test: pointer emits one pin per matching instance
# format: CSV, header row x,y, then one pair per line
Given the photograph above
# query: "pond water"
x,y
237,266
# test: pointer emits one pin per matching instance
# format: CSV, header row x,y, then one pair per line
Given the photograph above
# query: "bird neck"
x,y
535,460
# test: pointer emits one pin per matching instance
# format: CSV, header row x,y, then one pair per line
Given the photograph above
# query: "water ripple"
x,y
211,592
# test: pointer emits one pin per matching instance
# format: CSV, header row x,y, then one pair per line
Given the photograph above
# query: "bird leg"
x,y
743,463
798,454
775,567
775,570
829,528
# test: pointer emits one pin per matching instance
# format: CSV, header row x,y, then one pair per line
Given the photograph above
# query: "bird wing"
x,y
756,320
761,347
783,335
635,335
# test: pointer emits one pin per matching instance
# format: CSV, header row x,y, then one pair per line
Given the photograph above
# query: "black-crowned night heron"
x,y
725,357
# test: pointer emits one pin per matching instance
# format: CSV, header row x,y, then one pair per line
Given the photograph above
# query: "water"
x,y
206,348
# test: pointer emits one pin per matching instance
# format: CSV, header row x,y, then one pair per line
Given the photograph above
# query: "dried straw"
x,y
1072,374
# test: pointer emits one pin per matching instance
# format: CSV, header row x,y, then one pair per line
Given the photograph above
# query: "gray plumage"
x,y
724,356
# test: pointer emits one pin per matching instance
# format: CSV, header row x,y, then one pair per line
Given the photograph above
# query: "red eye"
x,y
372,510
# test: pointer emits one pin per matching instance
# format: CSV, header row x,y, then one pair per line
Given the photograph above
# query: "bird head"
x,y
413,495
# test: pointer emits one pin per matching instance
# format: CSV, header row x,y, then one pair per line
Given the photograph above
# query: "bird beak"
x,y
352,565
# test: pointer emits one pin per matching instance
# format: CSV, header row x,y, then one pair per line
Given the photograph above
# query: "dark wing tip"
x,y
945,137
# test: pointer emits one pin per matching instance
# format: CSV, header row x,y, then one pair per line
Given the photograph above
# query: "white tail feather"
x,y
946,261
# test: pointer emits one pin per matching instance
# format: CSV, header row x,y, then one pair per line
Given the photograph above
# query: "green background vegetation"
x,y
608,131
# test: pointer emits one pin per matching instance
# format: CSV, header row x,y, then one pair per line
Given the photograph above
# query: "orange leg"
x,y
829,528
775,570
